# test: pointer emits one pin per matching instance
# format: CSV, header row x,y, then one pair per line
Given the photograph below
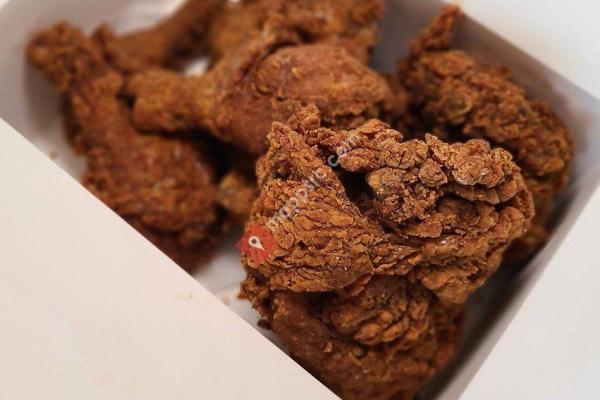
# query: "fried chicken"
x,y
236,194
269,79
378,243
164,187
381,343
457,98
362,246
266,81
445,213
170,43
350,24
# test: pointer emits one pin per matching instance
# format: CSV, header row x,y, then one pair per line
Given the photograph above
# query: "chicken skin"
x,y
456,98
164,187
170,43
445,213
267,81
377,244
236,194
349,24
381,343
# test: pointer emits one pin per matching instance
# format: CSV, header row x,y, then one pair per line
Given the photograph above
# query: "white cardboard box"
x,y
89,308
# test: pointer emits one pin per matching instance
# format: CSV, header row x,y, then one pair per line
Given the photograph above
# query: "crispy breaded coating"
x,y
458,98
377,244
381,343
324,241
443,212
164,187
268,81
236,194
169,43
350,24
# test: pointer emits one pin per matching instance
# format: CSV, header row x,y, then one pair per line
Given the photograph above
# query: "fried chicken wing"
x,y
458,98
445,213
350,24
169,44
268,81
164,187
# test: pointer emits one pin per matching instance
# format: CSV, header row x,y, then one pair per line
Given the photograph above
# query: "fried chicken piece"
x,y
169,44
350,24
375,244
267,81
381,343
164,187
458,98
445,213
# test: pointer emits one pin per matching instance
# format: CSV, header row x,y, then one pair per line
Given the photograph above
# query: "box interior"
x,y
32,107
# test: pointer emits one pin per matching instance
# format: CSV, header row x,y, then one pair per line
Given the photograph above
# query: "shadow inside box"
x,y
491,308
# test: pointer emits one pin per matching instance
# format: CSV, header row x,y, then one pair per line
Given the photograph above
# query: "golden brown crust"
x,y
444,212
164,187
269,81
379,344
236,194
65,57
350,24
170,43
377,244
455,97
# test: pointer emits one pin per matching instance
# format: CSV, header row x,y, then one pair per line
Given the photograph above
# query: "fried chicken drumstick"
x,y
164,187
458,98
266,81
169,44
378,242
